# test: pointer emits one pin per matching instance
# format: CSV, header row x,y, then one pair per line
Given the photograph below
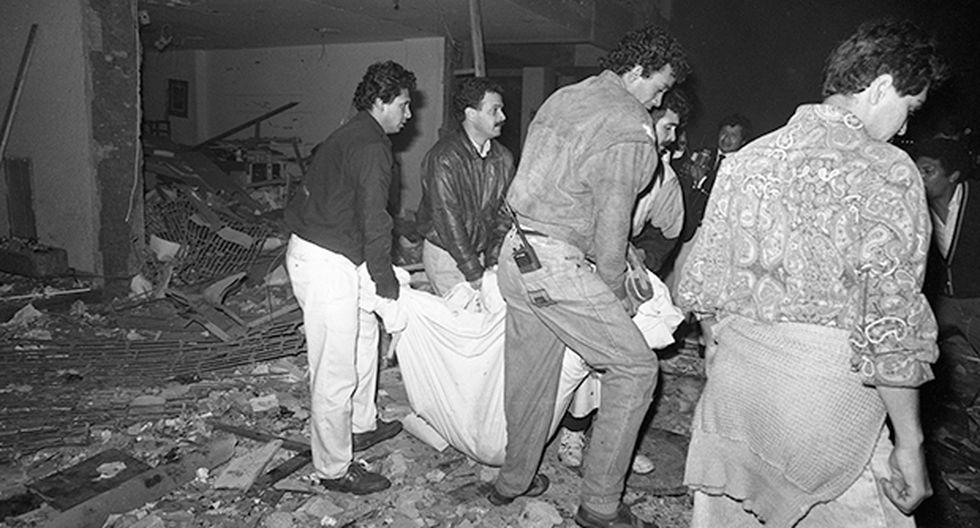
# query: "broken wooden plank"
x,y
285,310
242,471
145,487
225,325
261,436
262,485
88,478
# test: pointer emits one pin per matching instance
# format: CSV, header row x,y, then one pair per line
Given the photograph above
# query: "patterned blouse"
x,y
819,223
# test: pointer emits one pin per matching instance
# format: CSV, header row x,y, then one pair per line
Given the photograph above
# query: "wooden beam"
x,y
476,35
246,124
8,117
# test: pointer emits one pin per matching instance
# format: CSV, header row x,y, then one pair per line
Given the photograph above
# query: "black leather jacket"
x,y
462,208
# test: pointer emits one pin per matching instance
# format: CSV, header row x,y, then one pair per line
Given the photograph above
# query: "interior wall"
x,y
763,59
229,87
53,124
157,69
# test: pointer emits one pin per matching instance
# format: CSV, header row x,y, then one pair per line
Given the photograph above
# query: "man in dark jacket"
x,y
341,246
952,275
464,179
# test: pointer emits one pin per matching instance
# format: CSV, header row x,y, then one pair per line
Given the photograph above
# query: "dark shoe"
x,y
383,431
539,485
624,519
358,481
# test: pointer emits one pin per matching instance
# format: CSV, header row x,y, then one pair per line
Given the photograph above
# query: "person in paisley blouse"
x,y
807,275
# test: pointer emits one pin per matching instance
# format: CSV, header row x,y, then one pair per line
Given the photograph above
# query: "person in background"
x,y
807,276
953,276
699,177
589,151
465,176
658,219
340,246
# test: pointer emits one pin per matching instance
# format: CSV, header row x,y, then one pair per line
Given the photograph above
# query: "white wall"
x,y
232,86
53,123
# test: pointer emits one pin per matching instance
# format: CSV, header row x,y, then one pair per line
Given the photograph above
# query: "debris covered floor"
x,y
212,409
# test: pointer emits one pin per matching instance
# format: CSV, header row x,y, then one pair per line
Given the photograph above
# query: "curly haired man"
x,y
341,245
590,150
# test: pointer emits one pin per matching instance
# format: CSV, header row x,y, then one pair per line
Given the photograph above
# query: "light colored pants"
x,y
440,268
342,350
863,505
566,303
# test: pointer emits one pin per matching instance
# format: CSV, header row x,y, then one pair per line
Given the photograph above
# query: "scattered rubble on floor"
x,y
143,388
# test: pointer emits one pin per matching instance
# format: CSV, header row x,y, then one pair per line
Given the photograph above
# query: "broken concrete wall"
x,y
113,53
53,124
233,86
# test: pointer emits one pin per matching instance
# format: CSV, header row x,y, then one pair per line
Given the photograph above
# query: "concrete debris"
x,y
242,471
25,316
539,514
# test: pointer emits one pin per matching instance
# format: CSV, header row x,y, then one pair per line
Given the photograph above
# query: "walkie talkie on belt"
x,y
524,255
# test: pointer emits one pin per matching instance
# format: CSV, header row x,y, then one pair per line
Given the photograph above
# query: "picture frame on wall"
x,y
177,97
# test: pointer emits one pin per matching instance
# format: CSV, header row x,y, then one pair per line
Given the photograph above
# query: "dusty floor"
x,y
430,488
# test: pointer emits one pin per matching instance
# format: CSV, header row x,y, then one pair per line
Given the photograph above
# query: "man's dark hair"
x,y
383,80
898,48
469,93
650,47
738,120
675,101
951,153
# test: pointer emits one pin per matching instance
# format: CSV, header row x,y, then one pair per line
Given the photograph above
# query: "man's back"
x,y
827,220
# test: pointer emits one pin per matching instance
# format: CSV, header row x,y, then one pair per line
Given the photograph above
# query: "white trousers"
x,y
342,350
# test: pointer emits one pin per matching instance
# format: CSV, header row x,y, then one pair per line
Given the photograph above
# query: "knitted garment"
x,y
783,423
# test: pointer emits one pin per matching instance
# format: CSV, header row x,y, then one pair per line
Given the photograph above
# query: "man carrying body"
x,y
807,273
340,245
658,218
464,180
589,151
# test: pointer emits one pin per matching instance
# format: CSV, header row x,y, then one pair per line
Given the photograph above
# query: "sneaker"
x,y
624,518
383,431
642,464
570,448
539,485
358,480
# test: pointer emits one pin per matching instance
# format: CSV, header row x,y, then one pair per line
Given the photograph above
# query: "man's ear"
x,y
634,73
955,177
879,87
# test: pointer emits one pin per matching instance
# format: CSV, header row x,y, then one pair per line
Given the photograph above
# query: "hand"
x,y
710,343
476,284
909,483
630,305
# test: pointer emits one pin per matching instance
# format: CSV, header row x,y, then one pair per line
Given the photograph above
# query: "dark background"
x,y
764,58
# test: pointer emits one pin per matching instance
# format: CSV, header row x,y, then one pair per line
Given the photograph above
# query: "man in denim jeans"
x,y
590,149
